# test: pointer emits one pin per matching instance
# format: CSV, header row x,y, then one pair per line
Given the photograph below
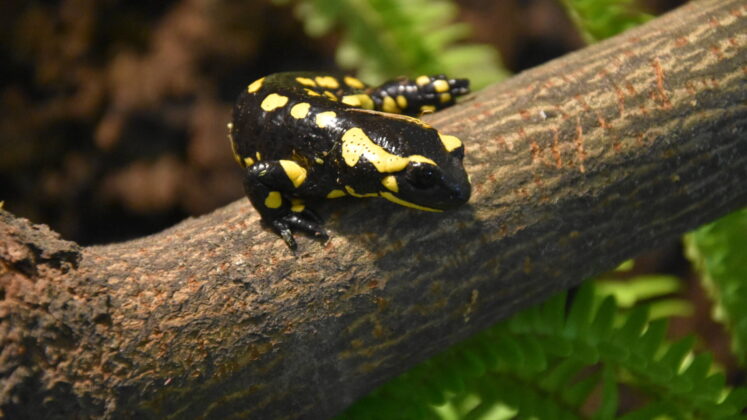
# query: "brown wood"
x,y
576,165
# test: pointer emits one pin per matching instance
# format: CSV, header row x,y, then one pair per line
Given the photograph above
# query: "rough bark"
x,y
576,166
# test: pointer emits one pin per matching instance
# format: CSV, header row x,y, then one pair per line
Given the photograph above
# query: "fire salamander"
x,y
309,135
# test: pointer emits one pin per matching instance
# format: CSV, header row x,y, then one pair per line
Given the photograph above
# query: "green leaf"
x,y
553,312
534,355
586,351
604,319
578,320
509,351
556,345
735,401
698,369
652,338
667,308
648,412
624,266
432,393
631,330
613,351
472,363
676,353
521,322
719,252
452,372
608,405
537,324
713,386
602,19
639,288
484,346
434,374
576,393
560,375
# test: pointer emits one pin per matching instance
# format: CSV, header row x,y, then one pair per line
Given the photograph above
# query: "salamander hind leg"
x,y
268,185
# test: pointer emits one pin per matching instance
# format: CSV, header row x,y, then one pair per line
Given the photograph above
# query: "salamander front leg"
x,y
269,186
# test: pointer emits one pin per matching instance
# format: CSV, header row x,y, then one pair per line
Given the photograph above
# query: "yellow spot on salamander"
x,y
259,156
325,119
445,97
427,109
356,144
422,159
450,142
273,200
306,81
359,100
248,162
294,172
352,192
401,102
312,92
390,182
354,83
330,95
441,86
300,110
394,199
336,194
351,100
256,85
422,80
297,205
389,105
328,82
319,161
366,102
274,101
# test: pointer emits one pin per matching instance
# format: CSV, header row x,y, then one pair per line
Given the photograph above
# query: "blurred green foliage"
x,y
601,19
719,251
387,38
651,290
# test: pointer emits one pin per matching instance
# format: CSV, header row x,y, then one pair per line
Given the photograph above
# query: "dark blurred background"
x,y
113,113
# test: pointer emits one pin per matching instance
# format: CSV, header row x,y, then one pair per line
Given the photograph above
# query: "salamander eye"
x,y
422,176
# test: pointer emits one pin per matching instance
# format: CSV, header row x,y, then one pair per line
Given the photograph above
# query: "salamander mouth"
x,y
394,199
460,195
445,196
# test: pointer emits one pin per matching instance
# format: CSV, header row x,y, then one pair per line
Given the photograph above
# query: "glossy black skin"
x,y
277,135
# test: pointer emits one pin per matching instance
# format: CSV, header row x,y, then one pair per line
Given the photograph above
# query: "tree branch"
x,y
576,165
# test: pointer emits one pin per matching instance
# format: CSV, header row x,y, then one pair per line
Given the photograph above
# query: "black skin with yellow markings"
x,y
313,135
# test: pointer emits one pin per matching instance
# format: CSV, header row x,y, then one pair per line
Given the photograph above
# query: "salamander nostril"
x,y
463,194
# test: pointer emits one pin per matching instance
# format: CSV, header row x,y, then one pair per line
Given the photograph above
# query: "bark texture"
x,y
576,166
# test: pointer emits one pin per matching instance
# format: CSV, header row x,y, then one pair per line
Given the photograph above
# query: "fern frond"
x,y
387,38
544,368
719,252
